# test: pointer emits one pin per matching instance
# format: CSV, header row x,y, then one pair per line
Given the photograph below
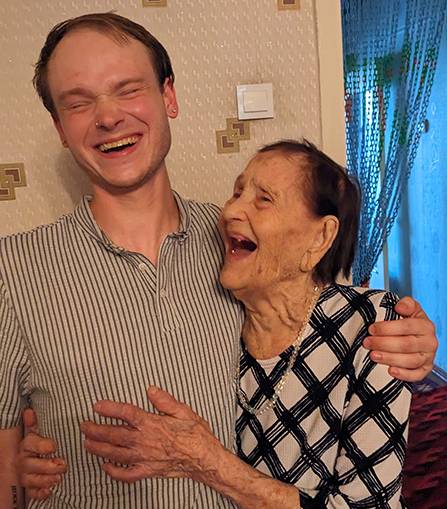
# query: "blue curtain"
x,y
390,56
417,245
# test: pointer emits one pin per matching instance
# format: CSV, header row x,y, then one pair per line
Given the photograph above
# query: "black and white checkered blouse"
x,y
338,431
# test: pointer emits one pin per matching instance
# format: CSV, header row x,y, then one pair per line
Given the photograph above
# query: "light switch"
x,y
255,101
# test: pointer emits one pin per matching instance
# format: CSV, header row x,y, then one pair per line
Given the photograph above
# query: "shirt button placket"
x,y
143,267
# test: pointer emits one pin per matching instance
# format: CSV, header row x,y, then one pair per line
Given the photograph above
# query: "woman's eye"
x,y
266,198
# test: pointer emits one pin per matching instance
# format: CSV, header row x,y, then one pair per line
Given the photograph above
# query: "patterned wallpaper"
x,y
214,46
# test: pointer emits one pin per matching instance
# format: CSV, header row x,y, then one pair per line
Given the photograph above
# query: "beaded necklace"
x,y
271,402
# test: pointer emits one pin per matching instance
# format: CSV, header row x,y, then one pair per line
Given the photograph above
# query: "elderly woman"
x,y
314,411
319,424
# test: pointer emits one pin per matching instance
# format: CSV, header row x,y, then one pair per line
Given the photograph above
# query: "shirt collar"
x,y
185,217
84,218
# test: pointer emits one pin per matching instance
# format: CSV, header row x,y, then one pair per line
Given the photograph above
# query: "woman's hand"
x,y
408,346
176,444
179,443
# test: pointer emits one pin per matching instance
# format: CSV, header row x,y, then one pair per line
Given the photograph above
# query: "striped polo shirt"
x,y
82,319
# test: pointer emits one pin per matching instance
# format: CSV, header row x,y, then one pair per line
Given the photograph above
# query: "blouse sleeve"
x,y
368,469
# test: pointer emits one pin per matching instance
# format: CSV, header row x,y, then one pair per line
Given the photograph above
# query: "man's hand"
x,y
38,474
408,346
178,443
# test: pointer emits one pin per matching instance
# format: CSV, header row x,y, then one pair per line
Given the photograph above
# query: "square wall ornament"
x,y
227,142
228,139
12,175
287,5
240,127
155,3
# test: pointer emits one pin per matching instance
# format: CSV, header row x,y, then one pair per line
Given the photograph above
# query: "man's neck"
x,y
138,220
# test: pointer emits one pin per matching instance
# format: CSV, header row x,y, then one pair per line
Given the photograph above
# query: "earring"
x,y
173,110
306,262
64,143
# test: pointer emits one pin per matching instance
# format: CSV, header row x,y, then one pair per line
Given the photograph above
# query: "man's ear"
x,y
324,238
60,130
170,99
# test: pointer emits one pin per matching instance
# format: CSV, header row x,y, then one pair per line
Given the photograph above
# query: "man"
x,y
122,293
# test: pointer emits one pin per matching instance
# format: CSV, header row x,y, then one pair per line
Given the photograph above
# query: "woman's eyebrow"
x,y
265,187
239,182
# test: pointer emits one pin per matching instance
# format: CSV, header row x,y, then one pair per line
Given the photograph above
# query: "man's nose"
x,y
108,114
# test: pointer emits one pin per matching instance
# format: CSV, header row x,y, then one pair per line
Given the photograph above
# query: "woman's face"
x,y
267,226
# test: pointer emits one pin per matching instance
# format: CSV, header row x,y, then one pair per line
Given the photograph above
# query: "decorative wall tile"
x,y
228,140
12,175
286,5
241,127
155,3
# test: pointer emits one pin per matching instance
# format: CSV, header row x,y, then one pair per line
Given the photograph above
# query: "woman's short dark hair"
x,y
329,191
107,22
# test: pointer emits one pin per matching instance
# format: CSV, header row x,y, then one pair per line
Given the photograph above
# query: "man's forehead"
x,y
77,49
74,37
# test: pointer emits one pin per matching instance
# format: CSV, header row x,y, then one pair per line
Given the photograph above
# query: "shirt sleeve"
x,y
14,365
368,469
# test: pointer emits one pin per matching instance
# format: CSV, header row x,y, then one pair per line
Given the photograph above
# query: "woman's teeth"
x,y
242,245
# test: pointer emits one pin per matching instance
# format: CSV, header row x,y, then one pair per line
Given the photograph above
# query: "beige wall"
x,y
330,54
214,45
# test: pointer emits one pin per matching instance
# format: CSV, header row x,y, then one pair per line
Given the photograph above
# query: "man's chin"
x,y
119,186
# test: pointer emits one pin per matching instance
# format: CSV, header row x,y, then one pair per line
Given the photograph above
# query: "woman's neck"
x,y
275,318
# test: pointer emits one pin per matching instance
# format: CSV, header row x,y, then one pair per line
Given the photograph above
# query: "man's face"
x,y
111,111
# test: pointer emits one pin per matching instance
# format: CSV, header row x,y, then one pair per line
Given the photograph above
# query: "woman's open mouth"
x,y
240,247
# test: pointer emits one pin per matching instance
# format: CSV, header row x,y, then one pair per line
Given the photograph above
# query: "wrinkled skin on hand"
x,y
177,443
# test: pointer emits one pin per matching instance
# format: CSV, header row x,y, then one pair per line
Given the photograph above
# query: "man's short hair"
x,y
119,28
328,190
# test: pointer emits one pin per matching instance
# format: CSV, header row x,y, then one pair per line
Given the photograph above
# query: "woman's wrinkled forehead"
x,y
275,169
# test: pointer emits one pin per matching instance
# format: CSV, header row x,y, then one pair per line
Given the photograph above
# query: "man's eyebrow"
x,y
129,81
81,91
74,91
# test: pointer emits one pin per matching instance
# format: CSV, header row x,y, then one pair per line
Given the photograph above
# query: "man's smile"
x,y
118,145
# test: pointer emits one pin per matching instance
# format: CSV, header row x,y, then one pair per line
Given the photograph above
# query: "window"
x,y
415,259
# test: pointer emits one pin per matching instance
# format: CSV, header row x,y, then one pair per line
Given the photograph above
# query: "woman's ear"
x,y
324,238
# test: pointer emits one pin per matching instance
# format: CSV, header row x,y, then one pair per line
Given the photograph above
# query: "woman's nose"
x,y
108,114
234,209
